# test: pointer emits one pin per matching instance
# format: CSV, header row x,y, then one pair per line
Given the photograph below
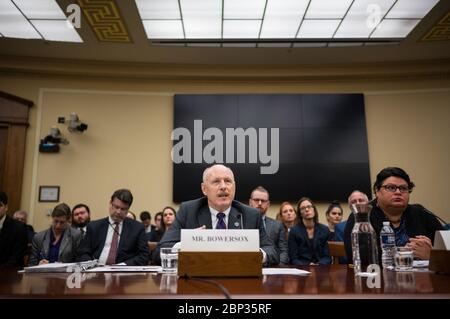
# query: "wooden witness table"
x,y
324,282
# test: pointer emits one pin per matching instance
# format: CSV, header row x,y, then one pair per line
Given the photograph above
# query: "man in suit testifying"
x,y
13,237
115,239
218,209
259,199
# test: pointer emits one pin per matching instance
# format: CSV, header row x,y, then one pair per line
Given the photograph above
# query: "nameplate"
x,y
442,240
219,240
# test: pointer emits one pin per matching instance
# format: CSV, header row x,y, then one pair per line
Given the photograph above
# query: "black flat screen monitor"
x,y
294,145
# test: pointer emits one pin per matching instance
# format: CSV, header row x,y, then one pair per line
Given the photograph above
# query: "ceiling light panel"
x,y
407,9
158,9
282,18
13,24
395,28
57,30
362,18
319,29
241,29
40,9
327,9
243,9
159,29
202,19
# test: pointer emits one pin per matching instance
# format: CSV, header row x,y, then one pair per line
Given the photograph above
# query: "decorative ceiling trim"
x,y
441,31
416,70
105,20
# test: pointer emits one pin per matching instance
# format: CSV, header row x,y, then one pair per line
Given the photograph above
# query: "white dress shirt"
x,y
2,220
108,241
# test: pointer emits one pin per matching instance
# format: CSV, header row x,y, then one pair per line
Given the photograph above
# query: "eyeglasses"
x,y
391,188
257,200
304,208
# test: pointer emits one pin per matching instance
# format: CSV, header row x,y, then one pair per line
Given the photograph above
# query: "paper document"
x,y
61,267
284,271
126,269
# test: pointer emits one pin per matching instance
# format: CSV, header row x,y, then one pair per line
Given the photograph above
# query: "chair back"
x,y
336,249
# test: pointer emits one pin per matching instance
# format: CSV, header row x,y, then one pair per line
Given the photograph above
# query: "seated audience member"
x,y
168,217
146,219
131,215
259,199
22,216
59,243
81,216
288,217
218,210
413,225
158,220
13,237
308,240
333,214
157,232
116,239
356,197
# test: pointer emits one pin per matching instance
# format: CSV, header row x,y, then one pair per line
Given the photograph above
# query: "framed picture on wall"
x,y
48,193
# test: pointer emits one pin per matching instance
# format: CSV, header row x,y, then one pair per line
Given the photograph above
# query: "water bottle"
x,y
387,242
364,240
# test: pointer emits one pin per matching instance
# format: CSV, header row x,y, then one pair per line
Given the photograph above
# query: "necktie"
x,y
220,221
114,243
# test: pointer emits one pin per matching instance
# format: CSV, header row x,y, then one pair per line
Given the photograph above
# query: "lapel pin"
x,y
236,224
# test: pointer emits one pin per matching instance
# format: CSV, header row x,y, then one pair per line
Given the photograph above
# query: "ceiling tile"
x,y
159,29
362,18
40,9
241,29
404,9
247,9
158,9
395,28
57,30
320,29
282,18
13,24
327,9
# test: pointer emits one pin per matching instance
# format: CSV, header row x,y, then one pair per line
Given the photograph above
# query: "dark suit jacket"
x,y
300,249
417,222
67,250
275,231
196,213
13,243
132,249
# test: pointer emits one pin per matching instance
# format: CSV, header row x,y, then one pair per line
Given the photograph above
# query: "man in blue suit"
x,y
116,239
218,209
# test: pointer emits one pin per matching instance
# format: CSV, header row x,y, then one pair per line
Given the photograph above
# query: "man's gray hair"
x,y
357,191
208,169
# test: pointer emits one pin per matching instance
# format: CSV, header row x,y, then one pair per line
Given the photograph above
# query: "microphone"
x,y
114,229
446,225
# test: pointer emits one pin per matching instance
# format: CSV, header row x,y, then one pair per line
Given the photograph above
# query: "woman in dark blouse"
x,y
308,240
